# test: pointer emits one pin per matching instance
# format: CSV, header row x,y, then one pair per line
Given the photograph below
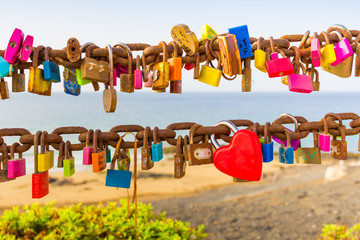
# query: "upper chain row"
x,y
233,52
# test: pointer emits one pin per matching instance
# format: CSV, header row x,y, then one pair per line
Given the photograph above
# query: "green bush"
x,y
340,232
93,222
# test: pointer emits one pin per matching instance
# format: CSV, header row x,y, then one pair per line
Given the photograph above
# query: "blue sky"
x,y
54,22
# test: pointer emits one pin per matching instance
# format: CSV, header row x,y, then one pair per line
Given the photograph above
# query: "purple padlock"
x,y
325,138
13,49
342,49
315,51
295,143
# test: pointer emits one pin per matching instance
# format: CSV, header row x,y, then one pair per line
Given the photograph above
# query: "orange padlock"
x,y
99,155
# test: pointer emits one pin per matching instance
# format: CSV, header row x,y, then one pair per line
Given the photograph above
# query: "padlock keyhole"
x,y
12,44
27,47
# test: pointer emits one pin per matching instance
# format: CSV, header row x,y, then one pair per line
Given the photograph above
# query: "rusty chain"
x,y
169,134
152,53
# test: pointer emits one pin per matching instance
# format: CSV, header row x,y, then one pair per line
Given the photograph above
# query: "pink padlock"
x,y
325,138
297,82
278,67
13,49
88,150
115,77
342,49
149,82
315,51
26,48
16,167
138,75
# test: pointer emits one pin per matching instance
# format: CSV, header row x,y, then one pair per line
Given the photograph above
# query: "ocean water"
x,y
34,112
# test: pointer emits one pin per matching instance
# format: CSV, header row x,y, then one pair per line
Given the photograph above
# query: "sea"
x,y
34,112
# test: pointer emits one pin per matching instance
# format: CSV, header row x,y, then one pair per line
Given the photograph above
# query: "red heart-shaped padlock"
x,y
242,158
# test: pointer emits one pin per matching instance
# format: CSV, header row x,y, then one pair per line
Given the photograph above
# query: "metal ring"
x,y
228,124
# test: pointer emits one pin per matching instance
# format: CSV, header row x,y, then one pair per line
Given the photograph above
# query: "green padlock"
x,y
69,161
108,154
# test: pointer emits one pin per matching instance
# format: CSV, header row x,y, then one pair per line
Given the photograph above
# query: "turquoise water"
x,y
33,112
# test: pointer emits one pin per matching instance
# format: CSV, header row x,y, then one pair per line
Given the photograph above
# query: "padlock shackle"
x,y
146,137
85,45
88,136
36,56
255,128
267,135
96,138
288,137
326,36
138,62
36,150
293,119
89,49
228,124
68,152
175,49
315,138
47,57
111,66
12,150
179,145
165,52
304,38
259,42
43,142
344,31
272,44
207,50
61,154
192,132
5,159
155,134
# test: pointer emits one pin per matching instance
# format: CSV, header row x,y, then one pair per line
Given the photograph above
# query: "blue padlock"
x,y
4,68
286,154
71,86
119,178
267,146
243,39
51,70
156,148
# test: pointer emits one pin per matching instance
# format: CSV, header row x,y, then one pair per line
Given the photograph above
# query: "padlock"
x,y
71,85
315,51
297,82
26,48
242,158
138,74
127,80
145,70
357,58
325,138
146,161
73,50
176,86
51,70
18,80
109,94
260,56
99,155
4,174
286,154
88,149
69,161
46,157
327,52
80,80
230,55
40,180
314,75
94,70
4,90
149,82
156,147
16,167
243,40
207,32
61,157
277,67
295,143
310,155
267,147
108,153
37,83
5,68
161,71
211,75
14,46
199,153
122,177
246,76
175,64
339,147
179,159
342,49
186,39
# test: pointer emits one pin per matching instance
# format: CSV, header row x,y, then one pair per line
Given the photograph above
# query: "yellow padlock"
x,y
46,157
161,71
207,32
260,56
327,52
211,75
37,83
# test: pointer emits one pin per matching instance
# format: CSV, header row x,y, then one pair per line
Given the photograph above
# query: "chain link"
x,y
169,134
